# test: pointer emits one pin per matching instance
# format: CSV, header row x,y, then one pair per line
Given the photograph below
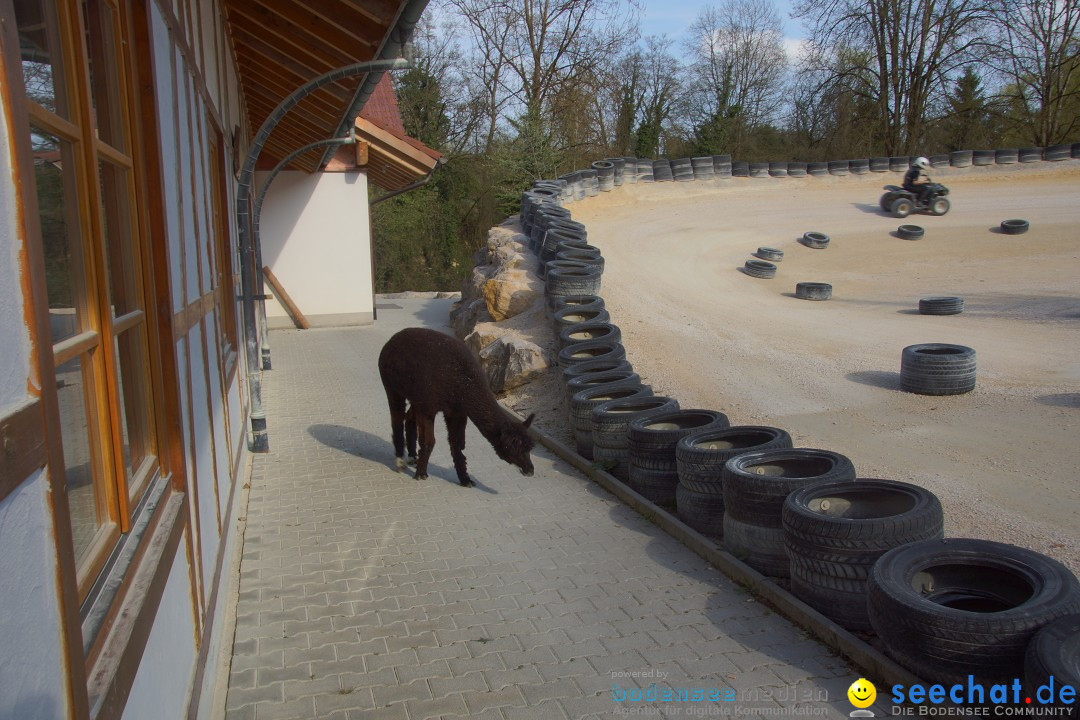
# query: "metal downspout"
x,y
264,336
259,442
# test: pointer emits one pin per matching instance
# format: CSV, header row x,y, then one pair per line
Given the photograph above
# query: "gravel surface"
x,y
1003,458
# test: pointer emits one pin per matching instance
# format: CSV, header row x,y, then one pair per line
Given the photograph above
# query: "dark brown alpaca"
x,y
434,373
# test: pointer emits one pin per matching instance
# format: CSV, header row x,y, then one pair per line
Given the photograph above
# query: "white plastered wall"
x,y
316,239
163,682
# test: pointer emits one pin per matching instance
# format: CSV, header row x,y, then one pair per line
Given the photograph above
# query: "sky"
x,y
672,17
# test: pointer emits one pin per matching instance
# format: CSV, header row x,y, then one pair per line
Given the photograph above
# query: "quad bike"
x,y
901,202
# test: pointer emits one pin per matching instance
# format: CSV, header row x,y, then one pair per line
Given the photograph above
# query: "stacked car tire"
x,y
866,553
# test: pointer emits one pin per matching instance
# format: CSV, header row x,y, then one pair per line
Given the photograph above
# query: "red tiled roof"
x,y
382,109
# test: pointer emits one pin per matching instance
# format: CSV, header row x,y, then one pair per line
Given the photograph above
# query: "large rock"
x,y
466,315
504,281
510,361
511,292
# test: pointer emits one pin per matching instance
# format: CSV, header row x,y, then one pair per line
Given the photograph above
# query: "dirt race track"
x,y
1004,459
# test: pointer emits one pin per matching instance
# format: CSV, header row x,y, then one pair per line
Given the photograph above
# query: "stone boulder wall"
x,y
496,314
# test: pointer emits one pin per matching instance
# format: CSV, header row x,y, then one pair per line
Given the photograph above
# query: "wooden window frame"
x,y
97,341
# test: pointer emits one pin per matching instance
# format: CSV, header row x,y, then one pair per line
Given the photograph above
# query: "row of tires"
x,y
868,553
605,175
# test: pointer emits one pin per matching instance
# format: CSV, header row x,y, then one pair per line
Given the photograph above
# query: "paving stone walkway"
x,y
367,594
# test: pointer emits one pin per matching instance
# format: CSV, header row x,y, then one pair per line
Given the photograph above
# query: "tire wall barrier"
x,y
832,578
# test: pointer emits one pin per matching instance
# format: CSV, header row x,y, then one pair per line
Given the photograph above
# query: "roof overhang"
x,y
392,161
280,45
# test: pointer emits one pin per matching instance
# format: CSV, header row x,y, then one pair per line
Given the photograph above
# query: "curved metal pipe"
x,y
394,46
259,442
264,335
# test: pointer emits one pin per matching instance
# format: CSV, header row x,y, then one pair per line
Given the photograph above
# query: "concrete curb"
x,y
879,668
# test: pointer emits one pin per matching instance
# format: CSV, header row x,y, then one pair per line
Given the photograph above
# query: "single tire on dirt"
x,y
700,456
816,240
813,291
951,608
941,305
910,232
755,486
702,511
770,253
1015,226
901,207
610,425
835,531
937,369
654,471
582,403
760,269
1054,652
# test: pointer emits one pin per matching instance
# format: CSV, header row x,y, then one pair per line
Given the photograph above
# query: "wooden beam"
x,y
22,445
361,153
298,318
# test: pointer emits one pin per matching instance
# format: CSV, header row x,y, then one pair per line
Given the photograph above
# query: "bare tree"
x,y
484,71
661,92
912,49
1037,49
738,65
530,48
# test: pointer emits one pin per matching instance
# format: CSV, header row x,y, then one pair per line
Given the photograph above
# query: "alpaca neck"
x,y
488,417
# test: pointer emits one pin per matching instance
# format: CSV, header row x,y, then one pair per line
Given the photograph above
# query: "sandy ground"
x,y
1004,458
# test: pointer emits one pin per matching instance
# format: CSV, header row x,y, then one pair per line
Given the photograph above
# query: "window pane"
x,y
119,253
134,388
42,62
104,56
54,164
84,499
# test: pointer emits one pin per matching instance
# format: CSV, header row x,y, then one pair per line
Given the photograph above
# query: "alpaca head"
x,y
514,445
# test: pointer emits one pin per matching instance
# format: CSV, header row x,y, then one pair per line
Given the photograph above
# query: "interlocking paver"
x,y
366,594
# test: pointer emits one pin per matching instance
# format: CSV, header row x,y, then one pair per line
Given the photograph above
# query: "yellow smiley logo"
x,y
862,693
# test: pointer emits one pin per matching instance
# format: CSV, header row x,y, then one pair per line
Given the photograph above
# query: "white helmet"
x,y
922,163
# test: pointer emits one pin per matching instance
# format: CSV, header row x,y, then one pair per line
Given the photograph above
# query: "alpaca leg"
x,y
410,434
397,427
425,427
455,427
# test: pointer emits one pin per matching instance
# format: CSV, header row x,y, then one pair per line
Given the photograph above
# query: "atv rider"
x,y
917,181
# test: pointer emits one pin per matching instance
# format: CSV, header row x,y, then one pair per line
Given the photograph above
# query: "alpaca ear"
x,y
528,420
